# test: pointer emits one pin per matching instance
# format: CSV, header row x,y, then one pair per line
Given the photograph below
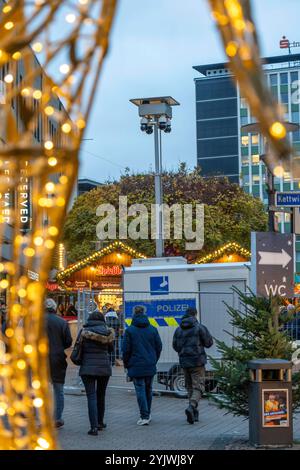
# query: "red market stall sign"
x,y
52,286
109,270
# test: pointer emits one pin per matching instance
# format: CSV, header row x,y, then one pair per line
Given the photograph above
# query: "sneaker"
x,y
101,426
142,422
93,432
190,414
196,415
59,423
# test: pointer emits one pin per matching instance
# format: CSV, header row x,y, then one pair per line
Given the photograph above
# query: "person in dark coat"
x,y
113,321
95,369
59,337
141,350
189,341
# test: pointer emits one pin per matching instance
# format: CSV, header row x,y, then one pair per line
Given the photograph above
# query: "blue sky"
x,y
153,48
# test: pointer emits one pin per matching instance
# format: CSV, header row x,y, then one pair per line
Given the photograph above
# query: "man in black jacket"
x,y
59,337
189,341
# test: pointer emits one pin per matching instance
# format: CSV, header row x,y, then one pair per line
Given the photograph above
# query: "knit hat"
x,y
139,310
50,304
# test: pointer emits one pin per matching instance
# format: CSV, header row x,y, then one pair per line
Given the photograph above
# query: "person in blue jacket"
x,y
141,350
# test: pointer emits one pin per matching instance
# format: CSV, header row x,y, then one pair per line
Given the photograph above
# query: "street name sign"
x,y
272,263
287,199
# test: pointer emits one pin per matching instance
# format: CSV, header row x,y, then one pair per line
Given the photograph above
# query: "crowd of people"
x,y
97,346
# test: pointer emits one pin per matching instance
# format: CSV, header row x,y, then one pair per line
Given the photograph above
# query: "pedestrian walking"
x,y
59,337
95,369
189,341
113,321
141,350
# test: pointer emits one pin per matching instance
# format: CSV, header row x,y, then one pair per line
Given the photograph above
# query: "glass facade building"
x,y
223,148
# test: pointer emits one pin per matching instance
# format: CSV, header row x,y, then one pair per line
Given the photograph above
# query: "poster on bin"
x,y
275,407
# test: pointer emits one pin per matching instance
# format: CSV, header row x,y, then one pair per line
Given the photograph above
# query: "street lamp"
x,y
156,115
254,128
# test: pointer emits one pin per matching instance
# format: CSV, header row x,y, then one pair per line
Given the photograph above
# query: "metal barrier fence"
x,y
165,313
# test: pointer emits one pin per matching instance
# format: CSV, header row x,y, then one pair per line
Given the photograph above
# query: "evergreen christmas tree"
x,y
259,332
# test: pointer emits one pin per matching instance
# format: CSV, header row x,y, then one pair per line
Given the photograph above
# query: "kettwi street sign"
x,y
287,199
272,263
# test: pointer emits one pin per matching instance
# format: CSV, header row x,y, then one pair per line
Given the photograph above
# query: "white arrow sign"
x,y
274,259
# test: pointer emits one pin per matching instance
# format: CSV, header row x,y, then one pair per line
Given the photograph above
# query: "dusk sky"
x,y
152,52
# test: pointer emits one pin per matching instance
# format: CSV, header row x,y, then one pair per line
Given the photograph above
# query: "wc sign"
x,y
272,264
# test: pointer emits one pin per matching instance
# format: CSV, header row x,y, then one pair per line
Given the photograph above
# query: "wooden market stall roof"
x,y
116,245
223,254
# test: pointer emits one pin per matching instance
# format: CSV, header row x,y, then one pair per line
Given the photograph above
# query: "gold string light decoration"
x,y
235,23
51,54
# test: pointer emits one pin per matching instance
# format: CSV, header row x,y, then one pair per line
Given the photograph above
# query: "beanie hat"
x,y
50,304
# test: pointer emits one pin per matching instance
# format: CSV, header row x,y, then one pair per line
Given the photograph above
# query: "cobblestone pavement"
x,y
167,431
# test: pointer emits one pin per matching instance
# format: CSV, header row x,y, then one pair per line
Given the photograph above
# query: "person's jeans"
x,y
143,390
58,389
95,388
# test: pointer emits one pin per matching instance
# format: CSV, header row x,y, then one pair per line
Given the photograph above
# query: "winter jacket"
x,y
189,341
59,337
113,321
97,343
141,347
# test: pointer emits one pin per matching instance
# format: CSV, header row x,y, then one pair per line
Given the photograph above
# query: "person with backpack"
x,y
59,337
189,341
95,367
141,350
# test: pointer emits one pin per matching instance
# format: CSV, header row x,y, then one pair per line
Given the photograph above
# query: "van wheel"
x,y
178,385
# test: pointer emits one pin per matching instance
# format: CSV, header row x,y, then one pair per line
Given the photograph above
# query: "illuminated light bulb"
x,y
50,187
17,55
38,241
63,179
38,402
278,130
64,69
9,78
22,293
9,332
37,47
278,171
60,201
28,349
52,161
234,8
37,94
43,443
70,18
49,244
6,9
42,202
231,49
80,123
49,110
21,364
1,267
43,348
83,2
240,25
48,145
53,231
4,284
36,384
25,92
16,308
66,128
9,25
29,251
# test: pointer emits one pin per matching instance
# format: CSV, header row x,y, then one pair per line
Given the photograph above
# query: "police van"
x,y
167,287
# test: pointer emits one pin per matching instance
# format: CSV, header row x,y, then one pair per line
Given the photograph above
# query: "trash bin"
x,y
270,403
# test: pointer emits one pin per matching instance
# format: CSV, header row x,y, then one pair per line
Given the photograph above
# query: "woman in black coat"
x,y
95,368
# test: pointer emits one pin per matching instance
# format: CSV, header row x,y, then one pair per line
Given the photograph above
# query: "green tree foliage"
x,y
230,214
258,326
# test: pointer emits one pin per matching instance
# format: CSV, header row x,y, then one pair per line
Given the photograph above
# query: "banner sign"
x,y
159,309
275,408
23,206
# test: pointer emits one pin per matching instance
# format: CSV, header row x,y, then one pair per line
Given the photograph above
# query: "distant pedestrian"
x,y
113,321
95,369
141,350
60,338
189,341
61,310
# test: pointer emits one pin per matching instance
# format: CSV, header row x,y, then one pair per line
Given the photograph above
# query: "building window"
x,y
244,120
287,176
255,159
245,140
245,159
273,79
254,139
284,78
255,179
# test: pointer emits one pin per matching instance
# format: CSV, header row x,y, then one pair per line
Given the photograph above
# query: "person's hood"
x,y
100,334
141,321
188,321
111,314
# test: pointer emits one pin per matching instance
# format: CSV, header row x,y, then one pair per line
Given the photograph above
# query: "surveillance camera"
x,y
162,122
168,126
149,130
144,124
